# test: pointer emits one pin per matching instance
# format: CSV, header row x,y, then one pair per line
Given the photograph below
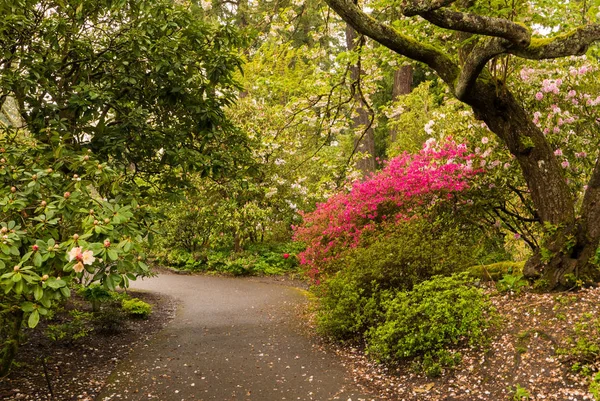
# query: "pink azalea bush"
x,y
406,187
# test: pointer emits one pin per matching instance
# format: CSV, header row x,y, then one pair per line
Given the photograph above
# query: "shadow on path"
x,y
232,339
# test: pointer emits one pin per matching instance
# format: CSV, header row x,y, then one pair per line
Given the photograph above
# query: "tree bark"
x,y
364,141
403,79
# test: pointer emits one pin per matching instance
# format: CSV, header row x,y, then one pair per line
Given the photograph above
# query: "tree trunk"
x,y
403,79
365,137
570,243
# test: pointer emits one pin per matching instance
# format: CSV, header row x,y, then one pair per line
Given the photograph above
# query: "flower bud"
x,y
67,195
34,177
3,160
96,222
106,243
13,189
86,158
107,220
49,170
16,268
43,203
45,277
75,237
35,248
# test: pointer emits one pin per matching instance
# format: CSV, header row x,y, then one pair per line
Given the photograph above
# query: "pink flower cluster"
x,y
406,185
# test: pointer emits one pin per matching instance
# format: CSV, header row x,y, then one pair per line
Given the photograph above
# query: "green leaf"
x,y
46,301
27,307
34,319
65,291
38,292
112,254
109,282
143,266
37,259
19,287
55,283
26,257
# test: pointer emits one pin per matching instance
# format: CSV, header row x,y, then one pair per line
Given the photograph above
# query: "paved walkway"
x,y
232,339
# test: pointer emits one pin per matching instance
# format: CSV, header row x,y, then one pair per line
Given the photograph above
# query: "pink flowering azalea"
x,y
396,193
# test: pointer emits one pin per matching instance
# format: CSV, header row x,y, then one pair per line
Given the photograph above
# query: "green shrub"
x,y
95,294
346,310
425,322
350,295
136,307
257,259
76,327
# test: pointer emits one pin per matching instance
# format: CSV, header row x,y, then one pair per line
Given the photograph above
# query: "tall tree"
x,y
496,33
403,79
363,115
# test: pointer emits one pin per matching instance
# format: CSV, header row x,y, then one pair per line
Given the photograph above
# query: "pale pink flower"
x,y
87,257
485,140
539,96
78,268
558,152
565,164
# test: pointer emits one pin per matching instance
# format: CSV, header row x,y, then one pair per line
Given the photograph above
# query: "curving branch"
x,y
573,43
476,62
394,40
479,24
410,8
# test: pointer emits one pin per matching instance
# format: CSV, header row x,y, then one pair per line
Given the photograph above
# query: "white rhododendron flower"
x,y
85,258
78,268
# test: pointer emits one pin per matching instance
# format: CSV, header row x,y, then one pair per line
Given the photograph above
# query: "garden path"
x,y
232,339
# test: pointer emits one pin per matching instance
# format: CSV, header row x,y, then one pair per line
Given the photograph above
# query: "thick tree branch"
x,y
410,8
479,24
396,41
574,43
476,62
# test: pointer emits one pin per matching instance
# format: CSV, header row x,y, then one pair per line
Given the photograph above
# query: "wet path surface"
x,y
232,339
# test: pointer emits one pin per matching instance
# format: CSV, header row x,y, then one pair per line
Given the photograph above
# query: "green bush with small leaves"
x,y
136,307
428,321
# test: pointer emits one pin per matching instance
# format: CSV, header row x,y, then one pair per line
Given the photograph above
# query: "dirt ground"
x,y
59,371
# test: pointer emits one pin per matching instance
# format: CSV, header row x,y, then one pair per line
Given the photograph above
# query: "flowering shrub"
x,y
408,185
64,218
